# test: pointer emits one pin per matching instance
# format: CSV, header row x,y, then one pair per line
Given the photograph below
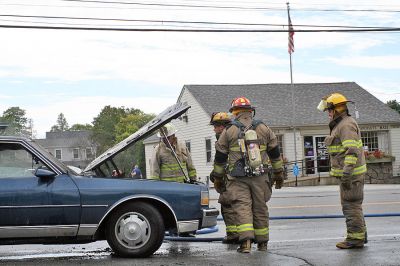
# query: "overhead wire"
x,y
187,22
195,30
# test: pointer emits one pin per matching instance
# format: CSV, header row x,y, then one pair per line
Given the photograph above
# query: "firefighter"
x,y
220,121
245,146
347,165
164,163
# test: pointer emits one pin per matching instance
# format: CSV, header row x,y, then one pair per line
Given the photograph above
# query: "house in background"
x,y
379,124
71,147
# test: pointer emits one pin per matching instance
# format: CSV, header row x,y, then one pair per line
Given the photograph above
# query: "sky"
x,y
77,73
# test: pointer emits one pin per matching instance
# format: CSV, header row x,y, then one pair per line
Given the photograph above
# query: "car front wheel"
x,y
135,230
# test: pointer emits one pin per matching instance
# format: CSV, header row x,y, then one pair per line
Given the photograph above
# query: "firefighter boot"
x,y
348,245
245,246
365,237
263,246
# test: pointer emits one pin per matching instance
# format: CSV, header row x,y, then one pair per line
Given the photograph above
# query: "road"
x,y
293,241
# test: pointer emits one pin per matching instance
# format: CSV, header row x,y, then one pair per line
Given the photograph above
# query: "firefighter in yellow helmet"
x,y
164,163
347,165
245,146
220,121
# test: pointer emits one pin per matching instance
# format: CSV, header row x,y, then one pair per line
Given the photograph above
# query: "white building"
x,y
379,124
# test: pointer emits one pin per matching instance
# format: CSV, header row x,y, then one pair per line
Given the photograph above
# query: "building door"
x,y
322,162
315,155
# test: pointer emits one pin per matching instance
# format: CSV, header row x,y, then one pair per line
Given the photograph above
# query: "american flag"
x,y
290,37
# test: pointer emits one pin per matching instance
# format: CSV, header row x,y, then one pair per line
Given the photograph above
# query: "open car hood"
x,y
163,118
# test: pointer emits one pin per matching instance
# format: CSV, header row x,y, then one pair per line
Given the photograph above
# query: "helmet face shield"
x,y
323,105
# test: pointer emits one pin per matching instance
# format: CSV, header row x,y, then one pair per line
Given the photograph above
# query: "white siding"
x,y
197,129
288,142
148,151
395,149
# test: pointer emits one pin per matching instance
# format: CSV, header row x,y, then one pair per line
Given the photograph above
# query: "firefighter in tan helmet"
x,y
348,165
171,159
244,146
220,121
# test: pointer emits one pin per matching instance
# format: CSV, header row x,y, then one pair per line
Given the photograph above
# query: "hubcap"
x,y
132,230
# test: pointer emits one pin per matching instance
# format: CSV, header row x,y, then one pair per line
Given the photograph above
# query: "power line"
x,y
187,22
195,30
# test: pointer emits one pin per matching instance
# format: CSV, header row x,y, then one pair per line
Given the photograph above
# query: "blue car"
x,y
44,201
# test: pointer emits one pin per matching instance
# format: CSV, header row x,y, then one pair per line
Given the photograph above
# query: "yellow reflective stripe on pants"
x,y
350,159
356,171
352,143
261,231
245,227
356,236
231,229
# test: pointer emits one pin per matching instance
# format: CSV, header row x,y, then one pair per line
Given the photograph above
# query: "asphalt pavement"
x,y
293,241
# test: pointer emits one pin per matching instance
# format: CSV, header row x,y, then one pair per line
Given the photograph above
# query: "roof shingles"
x,y
273,102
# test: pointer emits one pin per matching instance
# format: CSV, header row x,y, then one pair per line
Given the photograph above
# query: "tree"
x,y
126,127
75,127
395,105
114,124
104,126
62,124
17,122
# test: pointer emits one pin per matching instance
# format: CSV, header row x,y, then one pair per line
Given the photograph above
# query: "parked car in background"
x,y
44,201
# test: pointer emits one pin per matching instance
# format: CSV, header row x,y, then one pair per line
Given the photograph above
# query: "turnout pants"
x,y
351,201
249,196
228,212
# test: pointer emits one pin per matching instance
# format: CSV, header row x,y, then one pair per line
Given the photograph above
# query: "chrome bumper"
x,y
209,217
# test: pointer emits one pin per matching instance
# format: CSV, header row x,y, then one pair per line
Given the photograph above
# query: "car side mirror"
x,y
44,173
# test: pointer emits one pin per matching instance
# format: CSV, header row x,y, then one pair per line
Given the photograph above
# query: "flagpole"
x,y
292,88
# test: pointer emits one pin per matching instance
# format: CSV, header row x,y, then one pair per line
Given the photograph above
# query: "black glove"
x,y
214,175
277,178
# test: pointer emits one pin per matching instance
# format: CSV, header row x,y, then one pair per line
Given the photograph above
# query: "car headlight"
x,y
205,198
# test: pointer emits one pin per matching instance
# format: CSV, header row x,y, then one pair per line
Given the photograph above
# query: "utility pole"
x,y
290,50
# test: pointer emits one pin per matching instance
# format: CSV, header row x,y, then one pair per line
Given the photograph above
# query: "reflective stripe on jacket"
x,y
165,167
345,148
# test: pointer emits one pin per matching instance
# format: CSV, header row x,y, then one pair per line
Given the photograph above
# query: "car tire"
x,y
135,230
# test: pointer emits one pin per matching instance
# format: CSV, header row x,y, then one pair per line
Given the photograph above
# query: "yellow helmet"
x,y
220,118
331,101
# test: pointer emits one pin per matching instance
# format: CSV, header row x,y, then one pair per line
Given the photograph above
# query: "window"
x,y
76,153
58,154
89,153
280,143
16,161
188,145
370,140
208,150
